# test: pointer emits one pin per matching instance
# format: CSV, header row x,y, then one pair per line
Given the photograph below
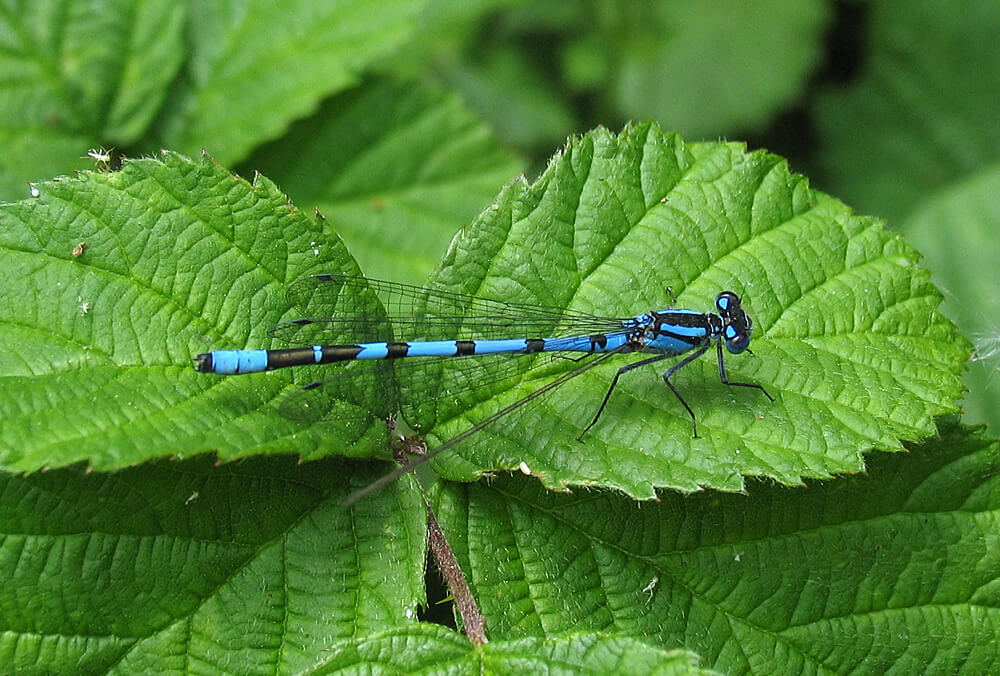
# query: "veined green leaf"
x,y
396,168
432,649
534,113
847,334
705,68
77,74
957,230
252,567
111,282
893,572
258,66
921,114
181,258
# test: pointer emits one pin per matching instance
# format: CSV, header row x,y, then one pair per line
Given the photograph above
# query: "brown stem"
x,y
405,450
472,620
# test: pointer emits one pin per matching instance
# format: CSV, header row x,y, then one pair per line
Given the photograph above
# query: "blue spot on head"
x,y
726,301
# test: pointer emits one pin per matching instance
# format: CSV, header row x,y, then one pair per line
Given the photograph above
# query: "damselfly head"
x,y
737,326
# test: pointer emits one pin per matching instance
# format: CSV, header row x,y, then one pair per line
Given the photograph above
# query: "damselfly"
x,y
453,343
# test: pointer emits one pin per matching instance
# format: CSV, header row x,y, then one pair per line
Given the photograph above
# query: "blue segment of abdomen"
x,y
442,348
372,351
231,362
501,346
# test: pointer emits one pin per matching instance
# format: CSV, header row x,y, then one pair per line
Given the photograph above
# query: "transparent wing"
x,y
378,389
341,309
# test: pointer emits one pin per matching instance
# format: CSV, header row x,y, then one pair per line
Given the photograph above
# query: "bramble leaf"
x,y
847,335
704,68
110,283
181,258
428,648
187,566
921,113
257,67
74,75
396,167
956,230
890,572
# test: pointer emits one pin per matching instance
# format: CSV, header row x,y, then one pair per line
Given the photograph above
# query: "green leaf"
x,y
956,229
256,67
432,649
183,258
893,572
95,351
77,74
396,167
250,567
702,68
847,335
709,68
923,112
533,113
446,28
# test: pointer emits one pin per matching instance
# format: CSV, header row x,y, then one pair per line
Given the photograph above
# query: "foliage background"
x,y
889,105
